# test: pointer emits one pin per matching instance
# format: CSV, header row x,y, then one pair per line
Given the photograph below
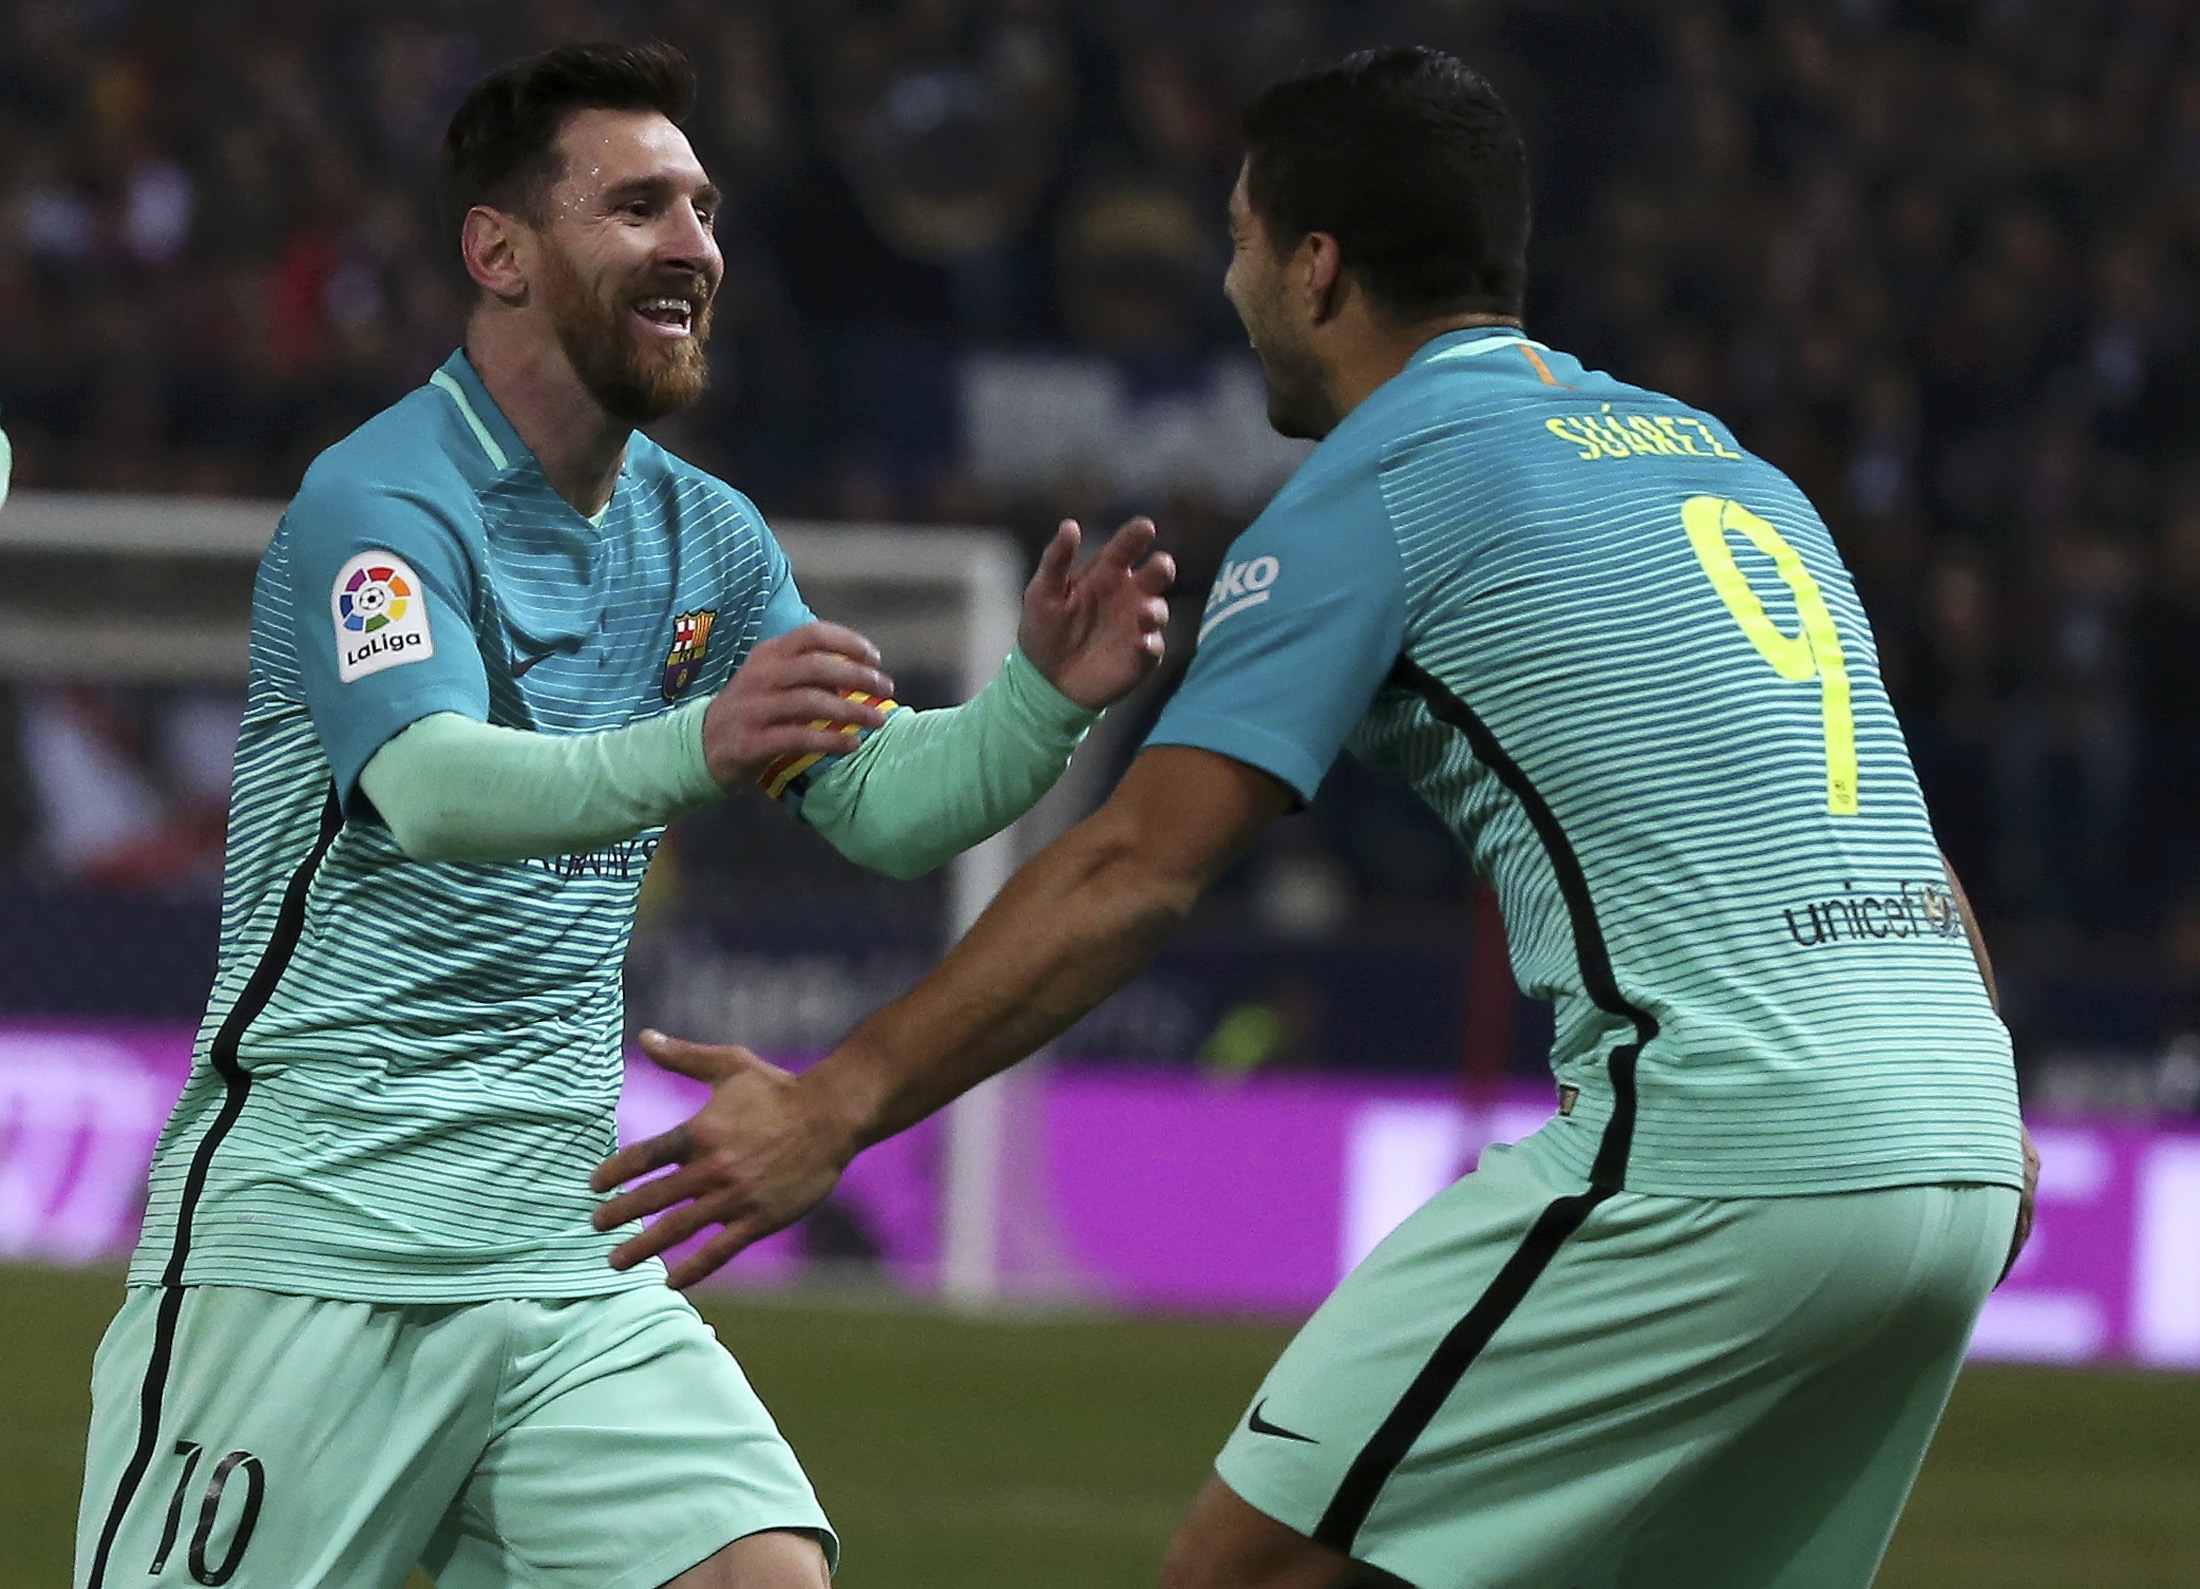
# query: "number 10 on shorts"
x,y
1814,652
197,1558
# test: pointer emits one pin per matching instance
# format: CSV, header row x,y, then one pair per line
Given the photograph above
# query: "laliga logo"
x,y
381,619
1237,587
373,599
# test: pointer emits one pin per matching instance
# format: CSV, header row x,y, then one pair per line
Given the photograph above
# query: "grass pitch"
x,y
989,1454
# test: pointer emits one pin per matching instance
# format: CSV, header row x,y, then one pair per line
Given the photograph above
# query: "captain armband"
x,y
790,774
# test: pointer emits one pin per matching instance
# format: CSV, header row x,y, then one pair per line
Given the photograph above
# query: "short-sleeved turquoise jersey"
x,y
1621,658
408,1070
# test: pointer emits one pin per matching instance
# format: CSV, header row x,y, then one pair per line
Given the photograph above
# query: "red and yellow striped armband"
x,y
782,774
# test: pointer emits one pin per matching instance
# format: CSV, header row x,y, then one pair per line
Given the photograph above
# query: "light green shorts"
x,y
1530,1386
282,1442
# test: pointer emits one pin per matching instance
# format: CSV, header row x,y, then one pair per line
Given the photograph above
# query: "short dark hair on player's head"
x,y
1412,163
501,148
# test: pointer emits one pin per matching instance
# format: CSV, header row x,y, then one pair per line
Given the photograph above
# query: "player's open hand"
x,y
1096,631
806,692
756,1157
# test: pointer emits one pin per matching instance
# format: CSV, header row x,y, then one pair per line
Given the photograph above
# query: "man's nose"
x,y
687,241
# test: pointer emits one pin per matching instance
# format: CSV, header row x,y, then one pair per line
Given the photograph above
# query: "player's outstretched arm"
x,y
931,784
1070,928
452,788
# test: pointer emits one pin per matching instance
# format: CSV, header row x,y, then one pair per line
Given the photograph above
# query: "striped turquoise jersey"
x,y
407,1070
1621,658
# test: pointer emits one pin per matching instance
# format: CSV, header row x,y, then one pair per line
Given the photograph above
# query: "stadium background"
x,y
1934,258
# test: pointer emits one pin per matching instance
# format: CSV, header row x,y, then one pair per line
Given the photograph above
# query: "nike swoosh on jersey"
x,y
1261,1426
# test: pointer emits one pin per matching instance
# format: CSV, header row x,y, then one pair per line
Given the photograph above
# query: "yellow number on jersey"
x,y
1812,653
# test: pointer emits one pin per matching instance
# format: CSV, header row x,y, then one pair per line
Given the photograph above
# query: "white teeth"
x,y
671,306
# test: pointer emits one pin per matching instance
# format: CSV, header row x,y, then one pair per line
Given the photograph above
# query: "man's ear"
x,y
1319,267
493,245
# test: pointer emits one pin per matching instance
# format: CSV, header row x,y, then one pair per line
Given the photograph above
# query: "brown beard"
x,y
1298,406
636,383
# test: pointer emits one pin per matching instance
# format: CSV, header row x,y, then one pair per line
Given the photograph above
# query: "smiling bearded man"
x,y
637,378
498,641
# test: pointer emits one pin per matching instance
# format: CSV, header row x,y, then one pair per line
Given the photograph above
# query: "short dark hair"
x,y
501,148
1410,160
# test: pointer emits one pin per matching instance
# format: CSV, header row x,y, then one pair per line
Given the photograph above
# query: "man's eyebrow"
x,y
657,186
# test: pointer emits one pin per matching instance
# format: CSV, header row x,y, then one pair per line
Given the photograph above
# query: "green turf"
x,y
987,1454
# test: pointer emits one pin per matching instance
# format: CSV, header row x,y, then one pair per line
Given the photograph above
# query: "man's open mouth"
x,y
672,314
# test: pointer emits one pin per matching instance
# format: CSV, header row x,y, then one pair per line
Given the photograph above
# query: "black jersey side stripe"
x,y
236,1087
1590,951
290,920
1439,1376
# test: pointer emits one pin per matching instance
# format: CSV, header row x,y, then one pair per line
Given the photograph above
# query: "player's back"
x,y
1635,676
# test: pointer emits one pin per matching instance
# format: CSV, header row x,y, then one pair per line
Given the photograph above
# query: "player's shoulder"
x,y
1491,417
1447,393
690,496
1333,500
1341,497
1326,532
409,452
1483,376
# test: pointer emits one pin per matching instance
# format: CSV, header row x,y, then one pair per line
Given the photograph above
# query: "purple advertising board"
x,y
1160,1190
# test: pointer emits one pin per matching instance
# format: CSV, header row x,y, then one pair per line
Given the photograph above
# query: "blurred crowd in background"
x,y
1933,257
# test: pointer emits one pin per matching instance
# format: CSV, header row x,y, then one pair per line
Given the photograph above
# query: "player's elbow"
x,y
893,842
427,835
1129,881
398,785
424,829
903,862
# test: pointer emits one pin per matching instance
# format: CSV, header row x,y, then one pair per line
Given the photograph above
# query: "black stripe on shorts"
x,y
236,1087
1439,1376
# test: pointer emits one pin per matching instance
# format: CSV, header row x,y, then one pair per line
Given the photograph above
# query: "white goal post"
x,y
115,589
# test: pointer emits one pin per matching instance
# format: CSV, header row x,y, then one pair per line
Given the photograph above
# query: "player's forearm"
x,y
452,789
928,785
1073,926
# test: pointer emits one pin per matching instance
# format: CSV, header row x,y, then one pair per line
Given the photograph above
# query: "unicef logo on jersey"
x,y
1237,587
381,618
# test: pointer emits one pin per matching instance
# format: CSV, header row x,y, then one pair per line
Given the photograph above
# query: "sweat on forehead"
x,y
505,145
611,151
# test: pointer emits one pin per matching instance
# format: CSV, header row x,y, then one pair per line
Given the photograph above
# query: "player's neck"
x,y
578,445
1378,351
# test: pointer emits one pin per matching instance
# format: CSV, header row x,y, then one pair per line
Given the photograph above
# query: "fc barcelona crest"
x,y
690,639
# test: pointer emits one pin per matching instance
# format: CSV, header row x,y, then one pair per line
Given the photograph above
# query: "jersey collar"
x,y
500,443
1450,348
1471,343
459,381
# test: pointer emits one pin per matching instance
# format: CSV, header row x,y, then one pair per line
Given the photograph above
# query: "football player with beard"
x,y
1699,1327
499,640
